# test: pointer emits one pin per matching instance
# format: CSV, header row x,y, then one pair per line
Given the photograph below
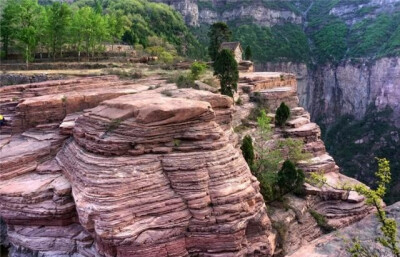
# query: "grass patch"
x,y
321,221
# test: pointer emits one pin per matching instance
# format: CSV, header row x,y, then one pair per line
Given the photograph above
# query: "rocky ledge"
x,y
294,223
366,231
150,171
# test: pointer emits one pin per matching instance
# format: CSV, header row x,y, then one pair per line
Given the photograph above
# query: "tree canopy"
x,y
226,69
218,33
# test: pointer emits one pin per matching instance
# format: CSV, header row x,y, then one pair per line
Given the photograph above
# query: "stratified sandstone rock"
x,y
340,207
35,198
366,231
29,105
156,175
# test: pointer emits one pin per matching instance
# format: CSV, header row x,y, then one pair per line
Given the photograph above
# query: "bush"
x,y
197,69
248,150
289,178
282,114
321,221
184,81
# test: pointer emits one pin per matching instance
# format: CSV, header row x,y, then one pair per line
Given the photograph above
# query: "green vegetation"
x,y
330,42
277,177
321,221
285,42
289,178
370,37
248,150
226,69
114,124
248,55
350,142
218,33
282,114
389,238
86,26
197,69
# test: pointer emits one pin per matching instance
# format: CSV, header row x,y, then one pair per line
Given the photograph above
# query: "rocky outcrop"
x,y
294,223
29,105
35,198
160,176
146,172
207,12
365,231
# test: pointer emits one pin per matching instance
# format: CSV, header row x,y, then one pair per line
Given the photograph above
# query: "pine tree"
x,y
248,150
226,69
289,178
282,114
248,55
219,32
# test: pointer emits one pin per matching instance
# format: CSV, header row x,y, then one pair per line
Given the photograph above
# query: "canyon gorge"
x,y
345,56
134,150
137,168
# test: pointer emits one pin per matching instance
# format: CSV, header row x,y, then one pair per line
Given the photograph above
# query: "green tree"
x,y
58,24
390,238
197,69
7,25
226,69
118,24
289,178
219,32
248,55
89,30
27,27
282,114
248,150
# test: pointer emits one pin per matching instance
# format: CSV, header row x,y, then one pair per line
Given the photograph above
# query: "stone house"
x,y
235,47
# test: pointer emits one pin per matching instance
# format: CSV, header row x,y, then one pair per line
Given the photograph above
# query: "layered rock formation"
x,y
296,226
366,231
361,102
144,174
207,12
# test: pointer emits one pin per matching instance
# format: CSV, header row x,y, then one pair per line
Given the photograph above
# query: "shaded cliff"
x,y
266,13
358,106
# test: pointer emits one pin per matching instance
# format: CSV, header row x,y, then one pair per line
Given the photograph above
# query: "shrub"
x,y
282,114
184,81
289,178
248,150
321,221
197,69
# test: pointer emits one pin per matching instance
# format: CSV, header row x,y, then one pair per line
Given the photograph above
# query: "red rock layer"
x,y
156,175
35,197
29,105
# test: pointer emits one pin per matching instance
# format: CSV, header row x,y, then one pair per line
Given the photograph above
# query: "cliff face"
x,y
196,12
365,231
331,91
358,105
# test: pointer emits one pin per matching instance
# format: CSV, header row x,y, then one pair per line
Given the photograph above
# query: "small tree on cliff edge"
x,y
248,55
219,32
289,178
248,150
226,69
282,114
